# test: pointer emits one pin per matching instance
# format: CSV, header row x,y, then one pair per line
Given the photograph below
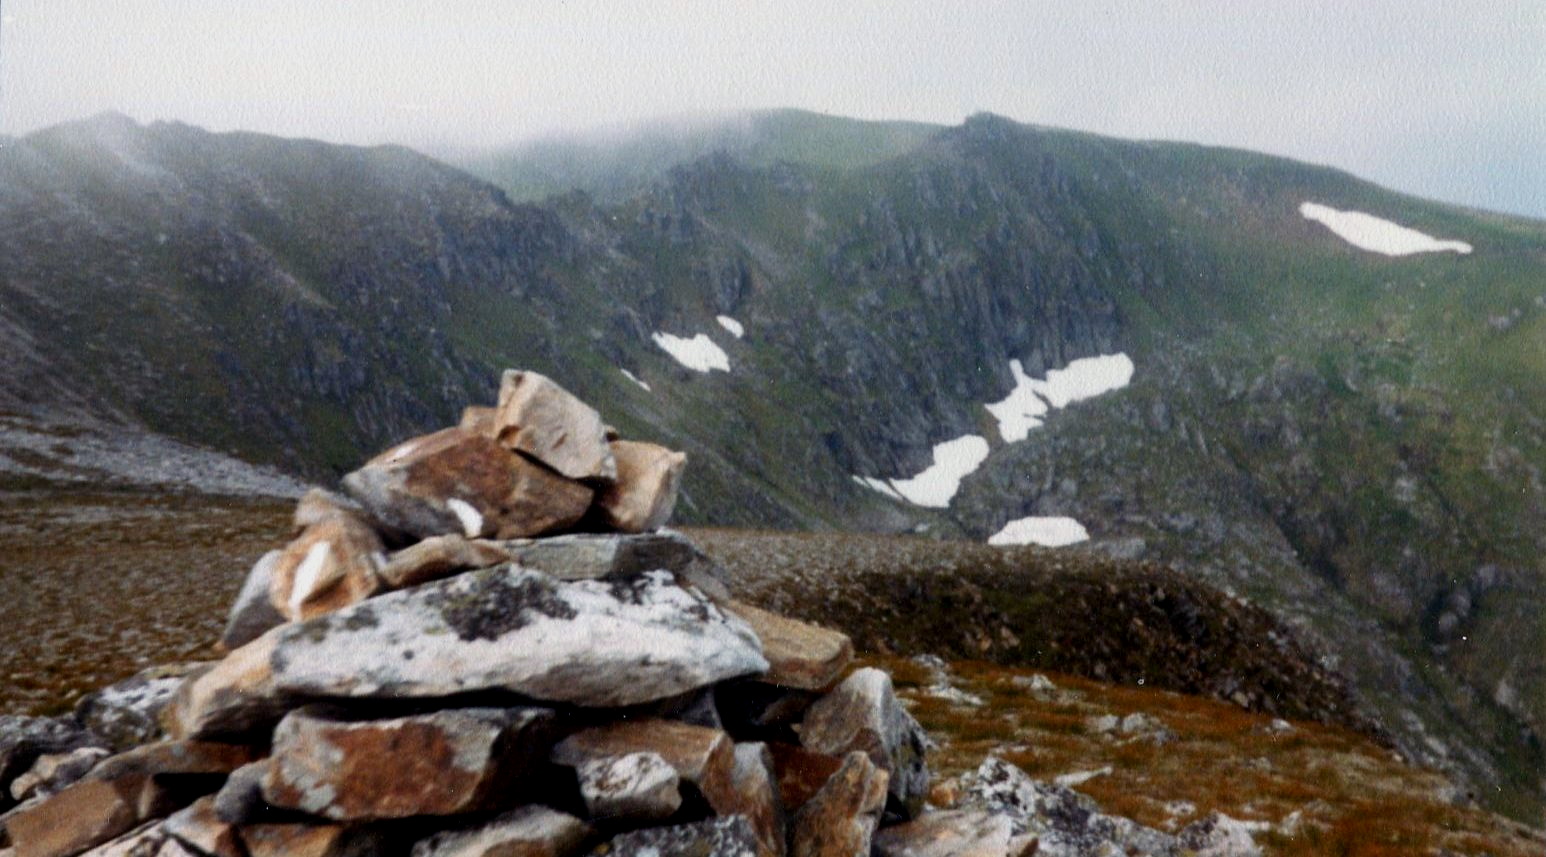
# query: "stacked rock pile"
x,y
487,649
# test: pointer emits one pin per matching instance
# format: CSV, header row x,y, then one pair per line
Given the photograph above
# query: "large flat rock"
x,y
591,643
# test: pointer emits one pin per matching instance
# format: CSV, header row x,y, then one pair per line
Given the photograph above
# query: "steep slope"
x,y
1351,439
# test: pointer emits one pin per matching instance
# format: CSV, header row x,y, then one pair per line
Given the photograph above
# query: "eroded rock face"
x,y
727,836
330,565
590,643
442,763
863,714
454,481
644,493
531,831
802,656
253,611
537,417
841,818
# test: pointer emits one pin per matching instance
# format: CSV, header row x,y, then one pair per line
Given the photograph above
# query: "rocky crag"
x,y
490,648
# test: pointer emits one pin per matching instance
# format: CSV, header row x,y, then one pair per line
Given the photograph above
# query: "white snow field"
x,y
699,354
634,378
954,460
730,324
1377,235
1047,532
1085,378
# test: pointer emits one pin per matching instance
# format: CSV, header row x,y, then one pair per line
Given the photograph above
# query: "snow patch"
x,y
1028,403
1047,532
731,325
634,378
1078,778
699,354
472,520
954,460
1377,235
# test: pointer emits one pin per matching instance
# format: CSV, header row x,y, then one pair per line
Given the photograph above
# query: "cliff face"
x,y
1351,439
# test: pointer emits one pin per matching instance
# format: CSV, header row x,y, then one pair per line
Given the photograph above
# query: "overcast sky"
x,y
1442,99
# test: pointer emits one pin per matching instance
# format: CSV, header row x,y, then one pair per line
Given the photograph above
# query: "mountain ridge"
x,y
1349,441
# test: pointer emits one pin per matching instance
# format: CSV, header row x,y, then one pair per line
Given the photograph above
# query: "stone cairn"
x,y
490,648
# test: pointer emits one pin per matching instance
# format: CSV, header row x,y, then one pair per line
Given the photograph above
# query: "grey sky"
x,y
1442,99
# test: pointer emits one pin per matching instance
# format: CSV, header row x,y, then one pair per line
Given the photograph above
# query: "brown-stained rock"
x,y
174,758
83,815
454,481
200,828
531,831
800,773
330,565
147,840
757,798
862,713
540,419
443,763
644,494
233,699
317,506
479,419
701,756
310,840
53,771
957,833
437,557
840,819
800,655
23,739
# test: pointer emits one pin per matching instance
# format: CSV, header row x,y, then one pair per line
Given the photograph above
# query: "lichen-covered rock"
x,y
1218,835
634,786
841,818
253,612
437,557
644,494
537,417
531,831
726,836
1063,821
24,739
862,713
443,763
330,565
454,481
128,713
590,643
955,833
53,771
801,655
703,757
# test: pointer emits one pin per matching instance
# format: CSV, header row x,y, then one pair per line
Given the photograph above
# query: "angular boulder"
x,y
862,713
531,831
330,565
454,481
1060,819
537,417
589,643
233,699
198,827
53,771
605,556
841,818
128,713
82,816
634,787
801,656
24,739
644,493
704,758
253,612
954,833
726,836
437,557
443,763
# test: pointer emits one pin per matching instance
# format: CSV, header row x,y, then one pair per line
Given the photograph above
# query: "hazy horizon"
x,y
1406,94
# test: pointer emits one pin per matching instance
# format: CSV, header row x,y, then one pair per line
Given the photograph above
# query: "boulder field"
x,y
486,646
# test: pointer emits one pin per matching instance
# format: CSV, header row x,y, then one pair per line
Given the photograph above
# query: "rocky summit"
x,y
489,647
